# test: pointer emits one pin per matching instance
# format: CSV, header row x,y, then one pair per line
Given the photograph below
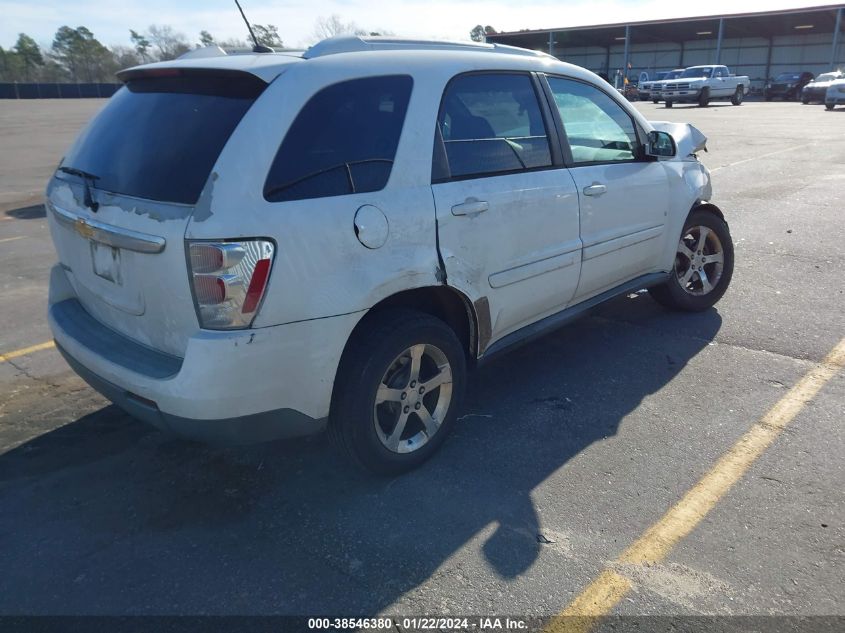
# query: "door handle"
x,y
596,189
471,207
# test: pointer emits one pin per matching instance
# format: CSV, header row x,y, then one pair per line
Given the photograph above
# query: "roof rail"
x,y
354,44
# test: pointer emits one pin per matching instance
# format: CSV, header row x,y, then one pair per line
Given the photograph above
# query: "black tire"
x,y
370,355
668,104
738,96
829,106
673,294
805,101
704,98
655,101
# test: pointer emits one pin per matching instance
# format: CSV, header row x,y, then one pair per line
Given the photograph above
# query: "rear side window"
x,y
343,141
159,137
492,123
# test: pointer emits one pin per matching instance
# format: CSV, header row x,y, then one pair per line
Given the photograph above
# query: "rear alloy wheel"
x,y
738,96
704,98
828,106
655,101
703,265
399,388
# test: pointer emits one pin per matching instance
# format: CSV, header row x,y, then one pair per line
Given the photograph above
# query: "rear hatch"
x,y
122,197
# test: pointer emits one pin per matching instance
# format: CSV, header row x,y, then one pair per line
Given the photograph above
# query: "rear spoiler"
x,y
153,72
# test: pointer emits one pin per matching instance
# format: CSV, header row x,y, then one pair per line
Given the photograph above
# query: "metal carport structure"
x,y
759,45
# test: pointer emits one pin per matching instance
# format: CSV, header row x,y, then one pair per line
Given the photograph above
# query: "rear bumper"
x,y
236,387
245,429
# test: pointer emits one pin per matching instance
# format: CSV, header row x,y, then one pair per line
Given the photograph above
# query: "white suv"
x,y
259,246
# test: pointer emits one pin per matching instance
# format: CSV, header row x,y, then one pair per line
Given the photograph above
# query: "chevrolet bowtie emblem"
x,y
83,228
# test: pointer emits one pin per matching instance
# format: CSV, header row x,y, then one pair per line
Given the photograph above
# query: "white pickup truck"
x,y
703,84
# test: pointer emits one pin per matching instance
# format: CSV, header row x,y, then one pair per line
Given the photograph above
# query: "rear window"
x,y
159,137
343,140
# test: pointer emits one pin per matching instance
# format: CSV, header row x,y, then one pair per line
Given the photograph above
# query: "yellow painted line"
x,y
26,350
12,239
605,592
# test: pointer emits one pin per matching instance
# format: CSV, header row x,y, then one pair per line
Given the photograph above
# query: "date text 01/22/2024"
x,y
420,624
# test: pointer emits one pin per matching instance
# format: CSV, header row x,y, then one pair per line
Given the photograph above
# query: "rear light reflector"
x,y
228,281
256,286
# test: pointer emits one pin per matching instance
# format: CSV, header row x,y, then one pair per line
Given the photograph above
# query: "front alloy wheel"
x,y
700,261
703,265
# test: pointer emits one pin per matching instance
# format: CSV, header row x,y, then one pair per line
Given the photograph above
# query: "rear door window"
x,y
159,137
343,140
491,123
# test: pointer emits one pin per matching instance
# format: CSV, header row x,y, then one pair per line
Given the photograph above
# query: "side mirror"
x,y
660,144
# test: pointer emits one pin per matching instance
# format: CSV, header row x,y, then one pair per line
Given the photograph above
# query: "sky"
x,y
110,20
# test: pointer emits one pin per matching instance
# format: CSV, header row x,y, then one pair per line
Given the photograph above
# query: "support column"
x,y
683,50
836,37
551,43
625,54
719,40
768,63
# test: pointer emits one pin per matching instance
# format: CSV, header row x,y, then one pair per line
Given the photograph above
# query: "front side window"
x,y
492,123
597,128
343,140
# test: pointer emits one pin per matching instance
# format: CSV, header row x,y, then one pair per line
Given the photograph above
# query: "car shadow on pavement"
x,y
33,212
117,518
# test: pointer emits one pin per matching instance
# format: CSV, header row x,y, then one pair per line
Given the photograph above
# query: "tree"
x,y
125,56
11,65
268,35
30,55
206,39
333,26
170,44
479,33
141,44
85,58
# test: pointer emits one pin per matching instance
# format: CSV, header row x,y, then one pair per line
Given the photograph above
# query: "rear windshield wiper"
x,y
87,179
268,193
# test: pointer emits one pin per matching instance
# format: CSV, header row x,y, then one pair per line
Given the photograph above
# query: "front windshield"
x,y
788,77
703,71
674,74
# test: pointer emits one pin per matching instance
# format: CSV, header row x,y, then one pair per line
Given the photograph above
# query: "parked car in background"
x,y
787,86
259,246
657,86
815,91
703,84
835,94
645,86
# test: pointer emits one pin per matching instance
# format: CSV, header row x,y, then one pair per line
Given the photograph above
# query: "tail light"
x,y
228,280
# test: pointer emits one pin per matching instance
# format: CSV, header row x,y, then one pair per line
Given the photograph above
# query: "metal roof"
x,y
758,24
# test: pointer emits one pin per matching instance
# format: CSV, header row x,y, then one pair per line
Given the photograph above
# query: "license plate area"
x,y
106,262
